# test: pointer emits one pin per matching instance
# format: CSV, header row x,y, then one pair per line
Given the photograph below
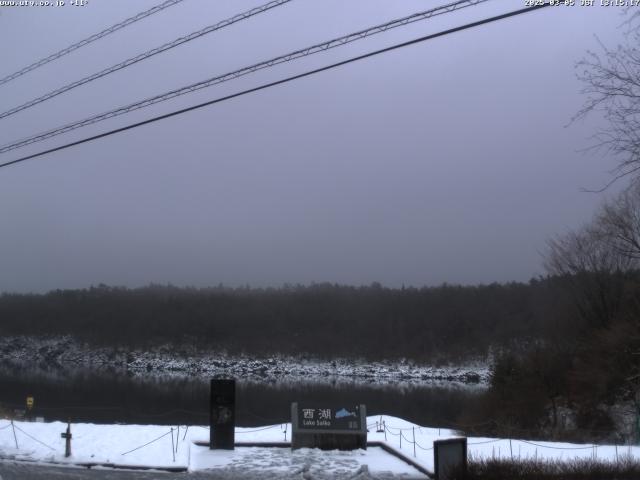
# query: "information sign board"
x,y
329,427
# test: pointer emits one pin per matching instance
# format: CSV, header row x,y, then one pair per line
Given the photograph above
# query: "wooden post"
x,y
413,430
67,443
384,424
67,436
400,439
511,449
14,434
177,438
173,452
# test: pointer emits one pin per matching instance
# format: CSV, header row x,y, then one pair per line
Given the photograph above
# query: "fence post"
x,y
511,449
413,430
14,434
384,423
173,452
400,439
67,443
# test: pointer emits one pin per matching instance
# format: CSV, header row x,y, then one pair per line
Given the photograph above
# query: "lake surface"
x,y
113,395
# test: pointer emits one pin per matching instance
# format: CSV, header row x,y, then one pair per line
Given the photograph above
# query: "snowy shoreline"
x,y
168,360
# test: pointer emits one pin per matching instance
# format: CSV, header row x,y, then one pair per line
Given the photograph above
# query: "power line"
x,y
88,40
143,56
282,81
321,47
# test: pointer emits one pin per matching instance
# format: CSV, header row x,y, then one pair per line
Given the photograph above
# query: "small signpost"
x,y
450,456
67,435
29,402
328,427
222,417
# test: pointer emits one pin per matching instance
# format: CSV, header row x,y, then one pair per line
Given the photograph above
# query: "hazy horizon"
x,y
445,162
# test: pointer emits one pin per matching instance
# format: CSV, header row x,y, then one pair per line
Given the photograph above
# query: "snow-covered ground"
x,y
162,446
183,361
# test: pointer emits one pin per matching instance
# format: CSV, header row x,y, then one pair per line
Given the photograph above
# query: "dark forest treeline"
x,y
425,324
566,347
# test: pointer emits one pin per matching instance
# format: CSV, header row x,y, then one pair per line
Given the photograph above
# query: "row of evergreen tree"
x,y
424,324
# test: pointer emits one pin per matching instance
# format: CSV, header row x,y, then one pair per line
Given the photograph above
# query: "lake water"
x,y
111,395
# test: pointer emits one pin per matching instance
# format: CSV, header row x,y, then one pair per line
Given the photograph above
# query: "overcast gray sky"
x,y
447,161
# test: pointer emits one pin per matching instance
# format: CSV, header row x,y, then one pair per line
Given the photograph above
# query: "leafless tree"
x,y
611,81
595,258
618,223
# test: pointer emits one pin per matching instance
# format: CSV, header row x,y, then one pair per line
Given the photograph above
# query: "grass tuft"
x,y
579,469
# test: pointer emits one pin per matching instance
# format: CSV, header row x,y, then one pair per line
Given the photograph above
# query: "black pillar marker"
x,y
222,414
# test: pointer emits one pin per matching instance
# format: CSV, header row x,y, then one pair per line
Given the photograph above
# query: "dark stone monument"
x,y
329,428
449,455
222,409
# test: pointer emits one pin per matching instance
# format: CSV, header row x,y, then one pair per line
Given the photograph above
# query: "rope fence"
x,y
557,448
477,429
259,429
32,437
487,441
381,427
149,443
415,444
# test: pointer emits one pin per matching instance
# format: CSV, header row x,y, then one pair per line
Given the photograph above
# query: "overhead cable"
x,y
88,40
282,81
321,47
143,56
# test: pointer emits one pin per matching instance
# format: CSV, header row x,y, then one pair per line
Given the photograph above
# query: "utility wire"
x,y
143,56
282,81
88,40
337,42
